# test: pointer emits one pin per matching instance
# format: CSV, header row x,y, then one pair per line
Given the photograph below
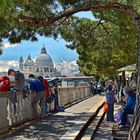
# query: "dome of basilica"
x,y
43,59
43,65
29,62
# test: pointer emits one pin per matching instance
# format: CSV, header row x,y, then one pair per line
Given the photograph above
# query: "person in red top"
x,y
46,85
47,89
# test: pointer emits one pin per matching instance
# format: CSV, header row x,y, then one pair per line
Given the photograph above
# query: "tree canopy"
x,y
22,19
103,45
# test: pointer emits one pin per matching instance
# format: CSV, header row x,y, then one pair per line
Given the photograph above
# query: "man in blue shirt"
x,y
40,95
128,108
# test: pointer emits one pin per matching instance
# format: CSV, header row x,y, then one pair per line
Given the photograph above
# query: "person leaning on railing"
x,y
38,90
19,79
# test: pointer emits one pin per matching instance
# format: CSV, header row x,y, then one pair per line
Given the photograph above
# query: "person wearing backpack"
x,y
38,90
19,78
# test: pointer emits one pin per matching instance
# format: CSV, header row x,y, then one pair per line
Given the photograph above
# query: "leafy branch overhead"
x,y
112,30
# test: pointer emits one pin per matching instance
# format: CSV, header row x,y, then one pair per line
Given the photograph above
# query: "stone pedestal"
x,y
3,115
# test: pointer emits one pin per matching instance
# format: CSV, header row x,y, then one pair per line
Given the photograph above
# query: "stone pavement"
x,y
105,131
119,133
58,126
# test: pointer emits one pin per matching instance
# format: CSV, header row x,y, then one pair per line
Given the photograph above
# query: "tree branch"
x,y
99,22
98,6
104,28
61,21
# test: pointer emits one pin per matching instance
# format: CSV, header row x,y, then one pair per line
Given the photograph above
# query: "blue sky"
x,y
55,48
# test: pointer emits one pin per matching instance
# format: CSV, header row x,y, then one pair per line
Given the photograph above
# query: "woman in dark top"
x,y
110,100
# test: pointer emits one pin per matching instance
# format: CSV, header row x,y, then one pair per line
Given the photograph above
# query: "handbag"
x,y
51,98
105,107
4,83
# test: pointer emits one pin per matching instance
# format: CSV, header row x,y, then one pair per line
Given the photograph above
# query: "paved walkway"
x,y
59,126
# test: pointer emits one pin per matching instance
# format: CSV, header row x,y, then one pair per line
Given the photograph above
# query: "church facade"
x,y
43,65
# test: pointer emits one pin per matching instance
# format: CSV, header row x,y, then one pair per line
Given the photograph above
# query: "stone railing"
x,y
3,113
20,112
71,94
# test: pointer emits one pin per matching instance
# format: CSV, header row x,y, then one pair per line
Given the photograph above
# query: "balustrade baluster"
x,y
3,115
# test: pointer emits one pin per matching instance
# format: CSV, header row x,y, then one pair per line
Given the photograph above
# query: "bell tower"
x,y
21,63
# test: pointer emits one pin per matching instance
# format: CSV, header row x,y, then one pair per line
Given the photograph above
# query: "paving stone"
x,y
55,126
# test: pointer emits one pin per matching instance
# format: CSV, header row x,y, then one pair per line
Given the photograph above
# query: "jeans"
x,y
46,108
125,114
40,96
56,102
110,112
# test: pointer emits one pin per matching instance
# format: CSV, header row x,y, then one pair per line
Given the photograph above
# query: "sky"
x,y
55,48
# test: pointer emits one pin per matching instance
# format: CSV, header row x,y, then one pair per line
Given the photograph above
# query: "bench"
x,y
130,118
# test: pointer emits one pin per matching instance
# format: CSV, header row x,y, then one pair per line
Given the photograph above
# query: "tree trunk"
x,y
134,133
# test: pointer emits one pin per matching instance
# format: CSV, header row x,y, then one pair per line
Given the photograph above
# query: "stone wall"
x,y
12,115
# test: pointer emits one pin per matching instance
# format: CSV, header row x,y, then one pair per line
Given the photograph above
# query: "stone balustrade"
x,y
3,113
72,94
12,115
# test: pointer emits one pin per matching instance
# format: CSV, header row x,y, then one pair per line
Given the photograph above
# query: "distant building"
x,y
74,81
43,65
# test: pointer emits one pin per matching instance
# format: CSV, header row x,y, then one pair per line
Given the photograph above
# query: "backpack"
x,y
51,98
4,83
26,90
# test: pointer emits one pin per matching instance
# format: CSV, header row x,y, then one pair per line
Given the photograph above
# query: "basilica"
x,y
43,65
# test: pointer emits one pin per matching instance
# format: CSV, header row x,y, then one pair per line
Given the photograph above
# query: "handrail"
x,y
86,125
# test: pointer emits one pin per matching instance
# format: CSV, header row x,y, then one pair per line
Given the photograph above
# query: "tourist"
x,y
91,87
128,108
131,101
99,88
110,100
47,89
38,90
19,79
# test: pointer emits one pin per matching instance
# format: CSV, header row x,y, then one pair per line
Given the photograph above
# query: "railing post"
x,y
3,115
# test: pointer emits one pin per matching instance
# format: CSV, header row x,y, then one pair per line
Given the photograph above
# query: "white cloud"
x,y
67,67
5,65
8,45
